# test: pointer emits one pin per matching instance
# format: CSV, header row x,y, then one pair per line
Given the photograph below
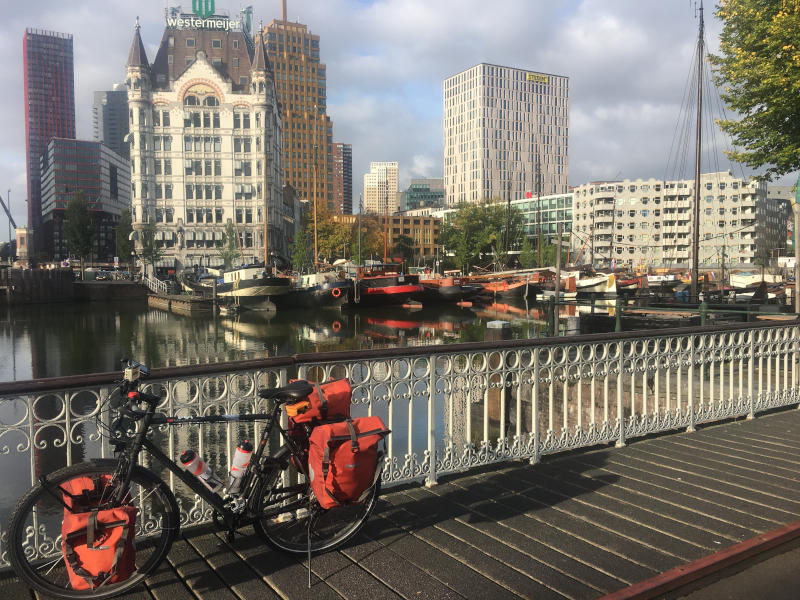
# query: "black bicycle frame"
x,y
150,418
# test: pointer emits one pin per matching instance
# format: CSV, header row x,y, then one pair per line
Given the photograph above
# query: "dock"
x,y
180,304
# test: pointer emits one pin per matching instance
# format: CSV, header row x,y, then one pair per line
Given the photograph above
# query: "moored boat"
x,y
250,286
451,287
317,290
383,284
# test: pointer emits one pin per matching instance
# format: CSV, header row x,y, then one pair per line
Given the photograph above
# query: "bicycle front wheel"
x,y
288,529
35,531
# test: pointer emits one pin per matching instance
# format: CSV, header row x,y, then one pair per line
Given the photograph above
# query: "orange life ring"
x,y
337,326
336,292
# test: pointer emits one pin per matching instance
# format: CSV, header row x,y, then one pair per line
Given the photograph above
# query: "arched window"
x,y
191,101
210,101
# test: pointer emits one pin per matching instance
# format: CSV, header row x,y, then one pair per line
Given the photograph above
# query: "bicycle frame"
x,y
261,467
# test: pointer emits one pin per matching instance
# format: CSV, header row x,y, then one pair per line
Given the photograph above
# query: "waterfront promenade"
x,y
577,525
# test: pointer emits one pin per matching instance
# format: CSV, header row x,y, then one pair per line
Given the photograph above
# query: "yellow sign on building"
x,y
537,77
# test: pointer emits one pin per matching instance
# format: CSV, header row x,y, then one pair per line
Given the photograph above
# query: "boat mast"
x,y
696,226
538,206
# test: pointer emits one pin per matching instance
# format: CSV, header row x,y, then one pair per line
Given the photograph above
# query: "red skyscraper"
x,y
49,107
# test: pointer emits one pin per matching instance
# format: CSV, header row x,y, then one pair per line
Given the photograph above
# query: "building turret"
x,y
140,138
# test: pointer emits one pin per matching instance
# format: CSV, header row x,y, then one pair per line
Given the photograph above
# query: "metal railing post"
x,y
690,398
431,479
535,409
620,395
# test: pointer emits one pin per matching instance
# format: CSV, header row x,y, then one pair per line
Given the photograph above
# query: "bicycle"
x,y
286,516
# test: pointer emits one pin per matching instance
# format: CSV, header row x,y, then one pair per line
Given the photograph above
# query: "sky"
x,y
628,62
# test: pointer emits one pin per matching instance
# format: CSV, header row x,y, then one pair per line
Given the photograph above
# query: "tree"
x,y
372,236
527,257
404,246
228,248
477,231
301,249
78,228
151,251
122,234
759,69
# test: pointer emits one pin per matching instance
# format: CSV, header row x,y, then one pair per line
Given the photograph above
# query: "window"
x,y
215,120
189,189
167,167
190,42
156,118
218,215
216,62
170,59
188,60
171,41
210,101
242,80
235,61
216,43
238,215
190,215
236,44
165,119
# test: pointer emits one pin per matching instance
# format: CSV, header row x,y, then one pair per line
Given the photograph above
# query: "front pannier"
x,y
328,402
97,544
345,459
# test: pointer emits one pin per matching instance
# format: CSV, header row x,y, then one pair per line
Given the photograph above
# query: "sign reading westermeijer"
x,y
203,18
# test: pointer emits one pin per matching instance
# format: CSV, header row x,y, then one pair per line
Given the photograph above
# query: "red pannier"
x,y
328,402
97,544
344,459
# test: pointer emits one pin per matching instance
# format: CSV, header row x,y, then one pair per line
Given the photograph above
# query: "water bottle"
x,y
192,462
241,459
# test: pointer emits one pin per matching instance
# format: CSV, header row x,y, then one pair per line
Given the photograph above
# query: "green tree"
x,y
759,69
475,234
78,228
228,248
372,236
122,234
301,249
151,251
527,257
404,246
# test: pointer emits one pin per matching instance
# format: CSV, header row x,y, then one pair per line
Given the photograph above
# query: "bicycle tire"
x,y
330,529
37,557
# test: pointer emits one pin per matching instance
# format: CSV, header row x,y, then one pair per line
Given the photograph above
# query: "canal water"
x,y
51,340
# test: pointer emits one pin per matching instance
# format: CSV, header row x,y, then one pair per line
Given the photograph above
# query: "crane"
x,y
8,212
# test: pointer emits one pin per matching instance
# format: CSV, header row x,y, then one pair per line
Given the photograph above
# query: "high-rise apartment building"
x,y
206,142
49,107
110,119
502,127
343,178
300,81
649,222
380,188
101,175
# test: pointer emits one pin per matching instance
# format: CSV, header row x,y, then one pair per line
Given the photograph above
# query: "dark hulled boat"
x,y
317,290
382,284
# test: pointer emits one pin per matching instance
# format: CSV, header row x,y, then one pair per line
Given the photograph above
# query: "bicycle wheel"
x,y
288,530
34,532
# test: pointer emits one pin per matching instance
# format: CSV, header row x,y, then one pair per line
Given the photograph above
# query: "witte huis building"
x,y
205,141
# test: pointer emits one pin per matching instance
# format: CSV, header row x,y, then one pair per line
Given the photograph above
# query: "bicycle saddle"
x,y
296,390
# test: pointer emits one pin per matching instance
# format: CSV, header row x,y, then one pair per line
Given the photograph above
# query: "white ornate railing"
x,y
156,285
449,407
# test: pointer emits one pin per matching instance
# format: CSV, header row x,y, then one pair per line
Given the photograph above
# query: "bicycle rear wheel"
x,y
35,530
288,530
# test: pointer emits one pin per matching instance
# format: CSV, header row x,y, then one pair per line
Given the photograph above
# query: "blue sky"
x,y
627,61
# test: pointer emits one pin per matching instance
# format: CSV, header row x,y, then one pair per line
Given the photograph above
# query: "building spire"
x,y
260,58
137,56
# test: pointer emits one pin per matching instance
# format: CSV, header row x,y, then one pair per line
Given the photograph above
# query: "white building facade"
x,y
502,127
381,188
205,143
648,223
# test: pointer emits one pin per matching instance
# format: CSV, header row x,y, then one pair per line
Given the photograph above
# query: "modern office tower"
x,y
343,178
110,119
502,127
300,80
424,193
102,175
380,188
643,223
49,107
206,142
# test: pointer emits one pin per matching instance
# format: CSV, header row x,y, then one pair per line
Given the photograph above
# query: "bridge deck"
x,y
575,526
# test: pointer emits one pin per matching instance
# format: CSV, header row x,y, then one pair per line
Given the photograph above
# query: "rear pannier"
x,y
345,459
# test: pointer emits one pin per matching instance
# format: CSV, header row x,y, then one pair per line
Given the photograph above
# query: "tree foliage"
x,y
228,248
372,237
122,234
759,69
527,257
78,226
404,247
301,249
475,234
151,251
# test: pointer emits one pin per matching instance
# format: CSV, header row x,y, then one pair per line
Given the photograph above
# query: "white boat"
x,y
597,284
747,279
